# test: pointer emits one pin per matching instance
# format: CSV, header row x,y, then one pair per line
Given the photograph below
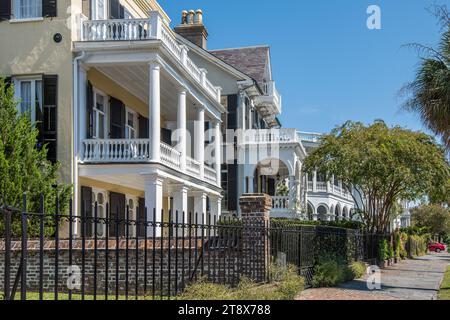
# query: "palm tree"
x,y
430,91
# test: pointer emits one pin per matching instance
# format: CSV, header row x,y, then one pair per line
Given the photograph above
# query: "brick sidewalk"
x,y
417,279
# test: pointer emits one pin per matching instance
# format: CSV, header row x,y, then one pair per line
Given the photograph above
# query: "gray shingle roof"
x,y
251,60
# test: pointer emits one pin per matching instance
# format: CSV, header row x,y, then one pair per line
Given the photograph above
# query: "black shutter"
x,y
48,117
86,8
116,211
232,187
143,127
232,111
8,81
90,110
271,187
86,211
5,10
49,8
166,136
117,122
142,219
116,10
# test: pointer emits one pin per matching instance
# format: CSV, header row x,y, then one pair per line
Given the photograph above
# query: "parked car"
x,y
436,247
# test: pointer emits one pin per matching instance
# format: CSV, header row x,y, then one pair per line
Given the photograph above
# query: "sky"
x,y
328,66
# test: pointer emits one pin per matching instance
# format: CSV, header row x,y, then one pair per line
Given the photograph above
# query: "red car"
x,y
436,247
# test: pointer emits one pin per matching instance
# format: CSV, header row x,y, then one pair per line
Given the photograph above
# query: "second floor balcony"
x,y
270,103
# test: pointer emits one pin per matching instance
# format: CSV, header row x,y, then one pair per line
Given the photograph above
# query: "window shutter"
x,y
232,186
114,9
86,210
90,110
8,81
117,211
86,8
48,116
49,8
117,119
5,10
142,219
166,136
143,127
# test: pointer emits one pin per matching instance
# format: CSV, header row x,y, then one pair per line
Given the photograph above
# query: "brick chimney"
x,y
192,27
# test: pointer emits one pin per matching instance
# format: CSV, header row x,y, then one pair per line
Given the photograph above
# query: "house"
x,y
327,199
124,107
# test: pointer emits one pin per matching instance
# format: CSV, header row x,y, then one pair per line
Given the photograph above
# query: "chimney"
x,y
192,27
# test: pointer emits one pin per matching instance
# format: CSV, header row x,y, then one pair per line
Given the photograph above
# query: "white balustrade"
x,y
270,136
116,29
210,174
321,186
144,29
170,156
192,166
280,203
116,150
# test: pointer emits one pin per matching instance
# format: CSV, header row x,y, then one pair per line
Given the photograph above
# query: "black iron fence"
x,y
99,255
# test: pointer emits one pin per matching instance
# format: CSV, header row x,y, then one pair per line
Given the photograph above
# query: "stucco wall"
x,y
28,48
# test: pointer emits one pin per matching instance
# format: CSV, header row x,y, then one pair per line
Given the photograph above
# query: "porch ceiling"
x,y
135,79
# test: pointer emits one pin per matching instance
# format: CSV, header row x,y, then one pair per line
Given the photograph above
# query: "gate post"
x,y
255,210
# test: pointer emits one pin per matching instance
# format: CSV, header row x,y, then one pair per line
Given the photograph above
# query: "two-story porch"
x,y
146,120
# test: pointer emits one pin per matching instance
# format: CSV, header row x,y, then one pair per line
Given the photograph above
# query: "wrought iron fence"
x,y
152,256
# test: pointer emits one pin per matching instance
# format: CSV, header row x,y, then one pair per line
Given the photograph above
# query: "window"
x,y
130,124
99,116
29,93
27,9
98,196
99,10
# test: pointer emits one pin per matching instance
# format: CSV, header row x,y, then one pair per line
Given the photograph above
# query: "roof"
x,y
250,60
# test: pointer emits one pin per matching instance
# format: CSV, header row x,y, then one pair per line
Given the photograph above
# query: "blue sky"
x,y
328,66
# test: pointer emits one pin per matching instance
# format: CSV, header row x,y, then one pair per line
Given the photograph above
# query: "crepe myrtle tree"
x,y
381,166
24,168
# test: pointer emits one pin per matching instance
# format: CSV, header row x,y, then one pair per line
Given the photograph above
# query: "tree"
x,y
433,217
24,167
382,166
429,92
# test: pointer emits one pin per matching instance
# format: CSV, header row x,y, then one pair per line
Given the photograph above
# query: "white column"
x,y
154,202
199,141
181,127
180,204
314,181
216,207
82,119
155,110
241,117
218,151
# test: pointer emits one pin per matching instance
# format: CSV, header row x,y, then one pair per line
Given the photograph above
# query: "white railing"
x,y
321,186
145,29
116,150
192,166
270,136
280,203
210,174
116,29
309,137
170,157
310,186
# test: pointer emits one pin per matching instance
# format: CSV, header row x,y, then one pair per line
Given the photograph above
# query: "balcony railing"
x,y
309,137
280,203
138,151
270,136
152,28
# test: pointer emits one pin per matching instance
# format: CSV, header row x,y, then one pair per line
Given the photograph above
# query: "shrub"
x,y
358,269
328,272
383,250
286,285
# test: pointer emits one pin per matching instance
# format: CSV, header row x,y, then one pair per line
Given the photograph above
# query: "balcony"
x,y
131,32
269,104
270,136
138,151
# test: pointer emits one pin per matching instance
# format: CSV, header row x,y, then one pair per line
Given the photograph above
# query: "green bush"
x,y
328,272
286,285
358,269
383,250
344,224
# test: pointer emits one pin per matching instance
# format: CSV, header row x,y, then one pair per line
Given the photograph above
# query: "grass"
x,y
444,291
